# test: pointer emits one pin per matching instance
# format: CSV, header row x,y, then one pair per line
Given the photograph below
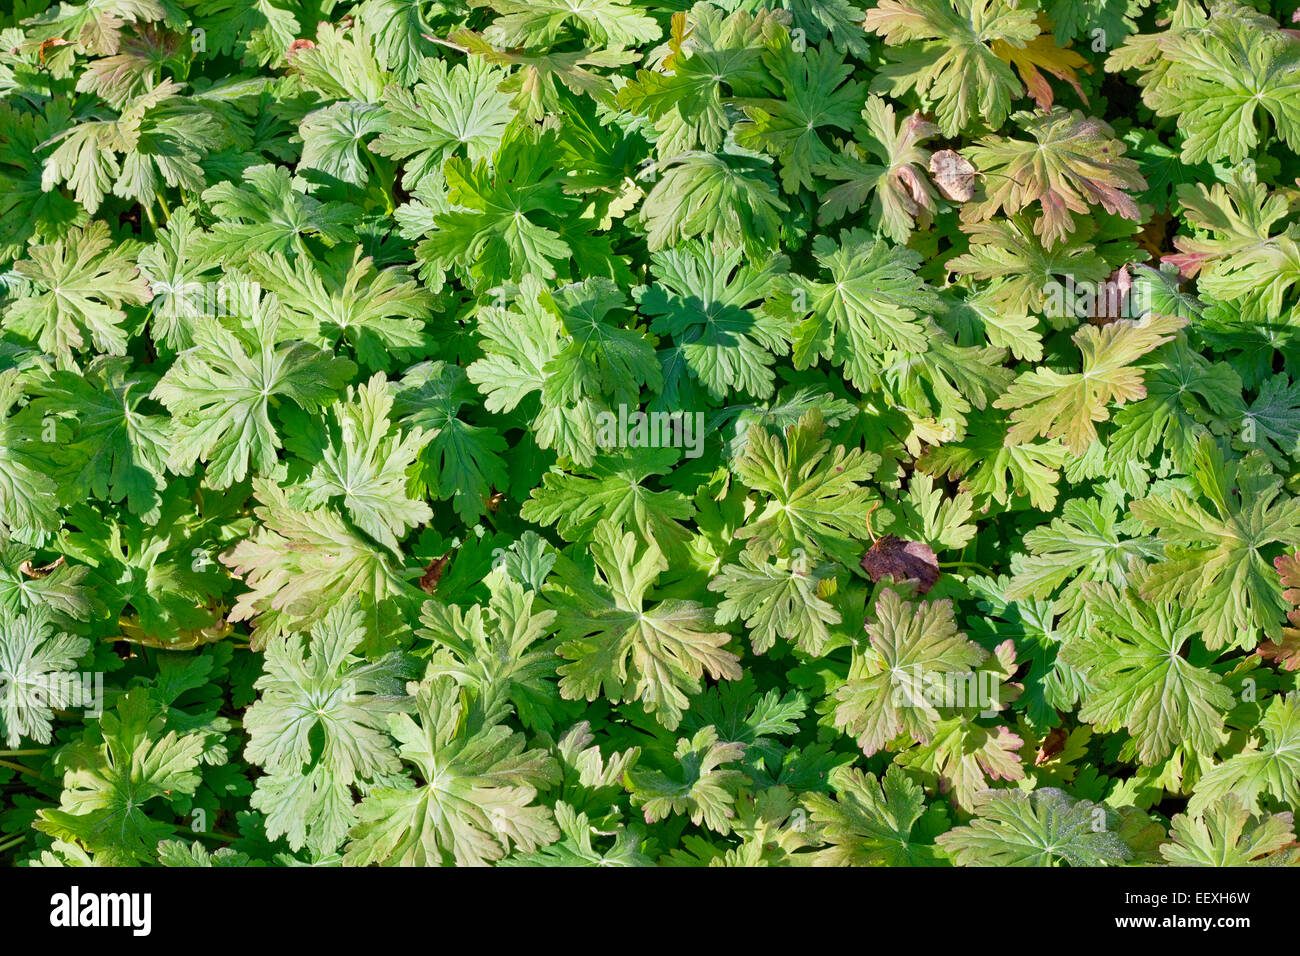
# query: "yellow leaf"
x,y
1042,53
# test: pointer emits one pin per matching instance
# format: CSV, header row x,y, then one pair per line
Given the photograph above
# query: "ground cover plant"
x,y
590,432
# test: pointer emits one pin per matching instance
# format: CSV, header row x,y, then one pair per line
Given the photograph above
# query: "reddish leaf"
x,y
1286,652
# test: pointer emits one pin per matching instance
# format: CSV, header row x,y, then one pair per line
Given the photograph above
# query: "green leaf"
x,y
699,785
365,463
28,494
684,98
257,30
460,461
318,728
506,217
1142,675
616,492
884,160
272,212
712,194
78,287
709,300
871,306
1067,406
872,822
35,661
1043,828
1186,395
889,688
1226,834
502,650
1074,162
450,109
474,798
113,774
379,312
618,647
522,348
1212,555
811,494
1272,768
941,49
116,450
541,22
990,469
180,853
334,135
577,845
780,599
814,95
220,390
1217,77
299,562
1087,543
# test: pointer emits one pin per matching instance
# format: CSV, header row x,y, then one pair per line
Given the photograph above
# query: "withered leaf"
x,y
41,572
1112,300
433,573
953,174
902,560
1052,745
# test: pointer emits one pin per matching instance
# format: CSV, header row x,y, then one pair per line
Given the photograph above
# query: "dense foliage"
x,y
600,432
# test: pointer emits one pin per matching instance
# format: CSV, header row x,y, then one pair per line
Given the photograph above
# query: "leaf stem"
x,y
967,564
12,842
21,769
